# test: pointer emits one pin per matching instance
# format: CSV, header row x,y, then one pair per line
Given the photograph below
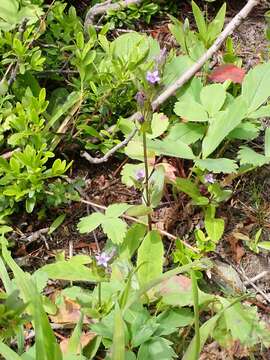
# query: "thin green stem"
x,y
148,200
195,294
99,295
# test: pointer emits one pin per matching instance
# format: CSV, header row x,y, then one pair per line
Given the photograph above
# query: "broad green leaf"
x,y
132,241
144,333
69,270
267,142
244,131
191,189
191,110
156,348
90,222
118,346
214,228
188,133
56,223
248,156
264,245
74,341
177,30
175,68
172,319
216,26
139,210
116,210
134,150
212,98
200,22
159,125
157,186
205,331
255,87
115,229
222,125
171,148
220,165
150,258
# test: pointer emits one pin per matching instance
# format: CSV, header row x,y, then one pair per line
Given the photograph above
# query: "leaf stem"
x,y
195,294
148,200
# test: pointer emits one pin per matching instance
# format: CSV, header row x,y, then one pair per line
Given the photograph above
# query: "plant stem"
x,y
148,200
195,294
99,295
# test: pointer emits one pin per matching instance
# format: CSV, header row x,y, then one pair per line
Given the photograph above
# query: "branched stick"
x,y
110,152
102,8
233,24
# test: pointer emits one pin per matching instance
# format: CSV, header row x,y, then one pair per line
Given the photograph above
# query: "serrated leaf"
x,y
220,165
90,222
150,258
156,348
159,125
212,98
255,87
115,229
244,131
190,110
248,156
222,125
116,210
188,133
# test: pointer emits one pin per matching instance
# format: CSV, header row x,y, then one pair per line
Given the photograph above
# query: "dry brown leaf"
x,y
68,313
169,171
84,340
237,248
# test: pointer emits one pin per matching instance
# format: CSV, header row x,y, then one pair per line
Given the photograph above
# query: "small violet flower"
x,y
140,98
103,259
209,178
140,175
153,77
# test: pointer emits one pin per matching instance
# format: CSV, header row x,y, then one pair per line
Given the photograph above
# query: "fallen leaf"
x,y
237,248
169,171
227,72
84,340
68,313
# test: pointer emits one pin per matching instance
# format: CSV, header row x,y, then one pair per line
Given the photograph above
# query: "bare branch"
x,y
110,152
102,8
233,24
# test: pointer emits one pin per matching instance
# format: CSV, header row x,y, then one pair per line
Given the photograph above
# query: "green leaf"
x,y
255,87
70,270
187,133
191,189
172,319
190,110
263,111
267,142
159,125
214,228
222,125
74,341
30,204
212,98
157,182
133,239
216,26
8,353
244,131
115,229
175,68
118,346
264,245
139,210
116,210
90,222
200,22
248,156
220,165
56,223
150,257
156,348
171,148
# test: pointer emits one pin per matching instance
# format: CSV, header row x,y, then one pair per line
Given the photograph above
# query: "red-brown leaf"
x,y
227,72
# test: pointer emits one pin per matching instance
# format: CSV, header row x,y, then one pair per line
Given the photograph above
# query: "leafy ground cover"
x,y
134,224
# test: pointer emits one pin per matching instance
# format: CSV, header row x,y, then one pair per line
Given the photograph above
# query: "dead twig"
x,y
34,236
102,8
110,152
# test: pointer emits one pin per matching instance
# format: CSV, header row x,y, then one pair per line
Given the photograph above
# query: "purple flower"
x,y
140,98
103,259
209,178
153,77
140,175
